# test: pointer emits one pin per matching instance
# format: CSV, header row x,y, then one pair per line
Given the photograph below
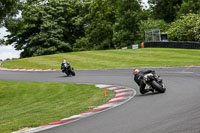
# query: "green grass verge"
x,y
103,59
30,104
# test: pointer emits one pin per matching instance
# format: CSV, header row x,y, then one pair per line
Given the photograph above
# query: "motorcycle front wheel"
x,y
157,87
67,73
73,73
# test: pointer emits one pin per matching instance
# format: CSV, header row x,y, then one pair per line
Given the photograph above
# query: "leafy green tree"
x,y
189,6
186,28
165,9
8,8
46,27
146,14
151,24
98,29
127,23
2,42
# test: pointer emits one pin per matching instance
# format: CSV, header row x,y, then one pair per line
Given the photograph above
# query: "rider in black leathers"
x,y
63,65
138,77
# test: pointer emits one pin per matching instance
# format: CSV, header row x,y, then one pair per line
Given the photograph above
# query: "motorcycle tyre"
x,y
67,74
73,73
157,87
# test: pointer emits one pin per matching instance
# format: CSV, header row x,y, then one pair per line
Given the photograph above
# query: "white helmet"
x,y
64,61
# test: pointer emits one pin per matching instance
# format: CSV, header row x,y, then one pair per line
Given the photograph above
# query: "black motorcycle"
x,y
154,82
66,68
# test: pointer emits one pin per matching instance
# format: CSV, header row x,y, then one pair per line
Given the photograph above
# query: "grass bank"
x,y
103,59
30,104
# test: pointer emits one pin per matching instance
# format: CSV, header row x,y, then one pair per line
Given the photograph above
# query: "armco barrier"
x,y
172,44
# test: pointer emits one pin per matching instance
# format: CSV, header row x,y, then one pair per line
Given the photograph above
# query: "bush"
x,y
82,44
186,28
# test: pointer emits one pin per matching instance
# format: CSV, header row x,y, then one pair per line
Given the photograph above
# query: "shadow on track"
x,y
150,94
65,76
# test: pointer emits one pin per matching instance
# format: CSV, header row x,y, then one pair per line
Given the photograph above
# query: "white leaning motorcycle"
x,y
153,81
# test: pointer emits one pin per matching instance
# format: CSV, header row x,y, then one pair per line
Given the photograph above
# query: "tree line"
x,y
57,26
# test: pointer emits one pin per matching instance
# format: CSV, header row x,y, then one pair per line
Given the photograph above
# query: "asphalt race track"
x,y
176,111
